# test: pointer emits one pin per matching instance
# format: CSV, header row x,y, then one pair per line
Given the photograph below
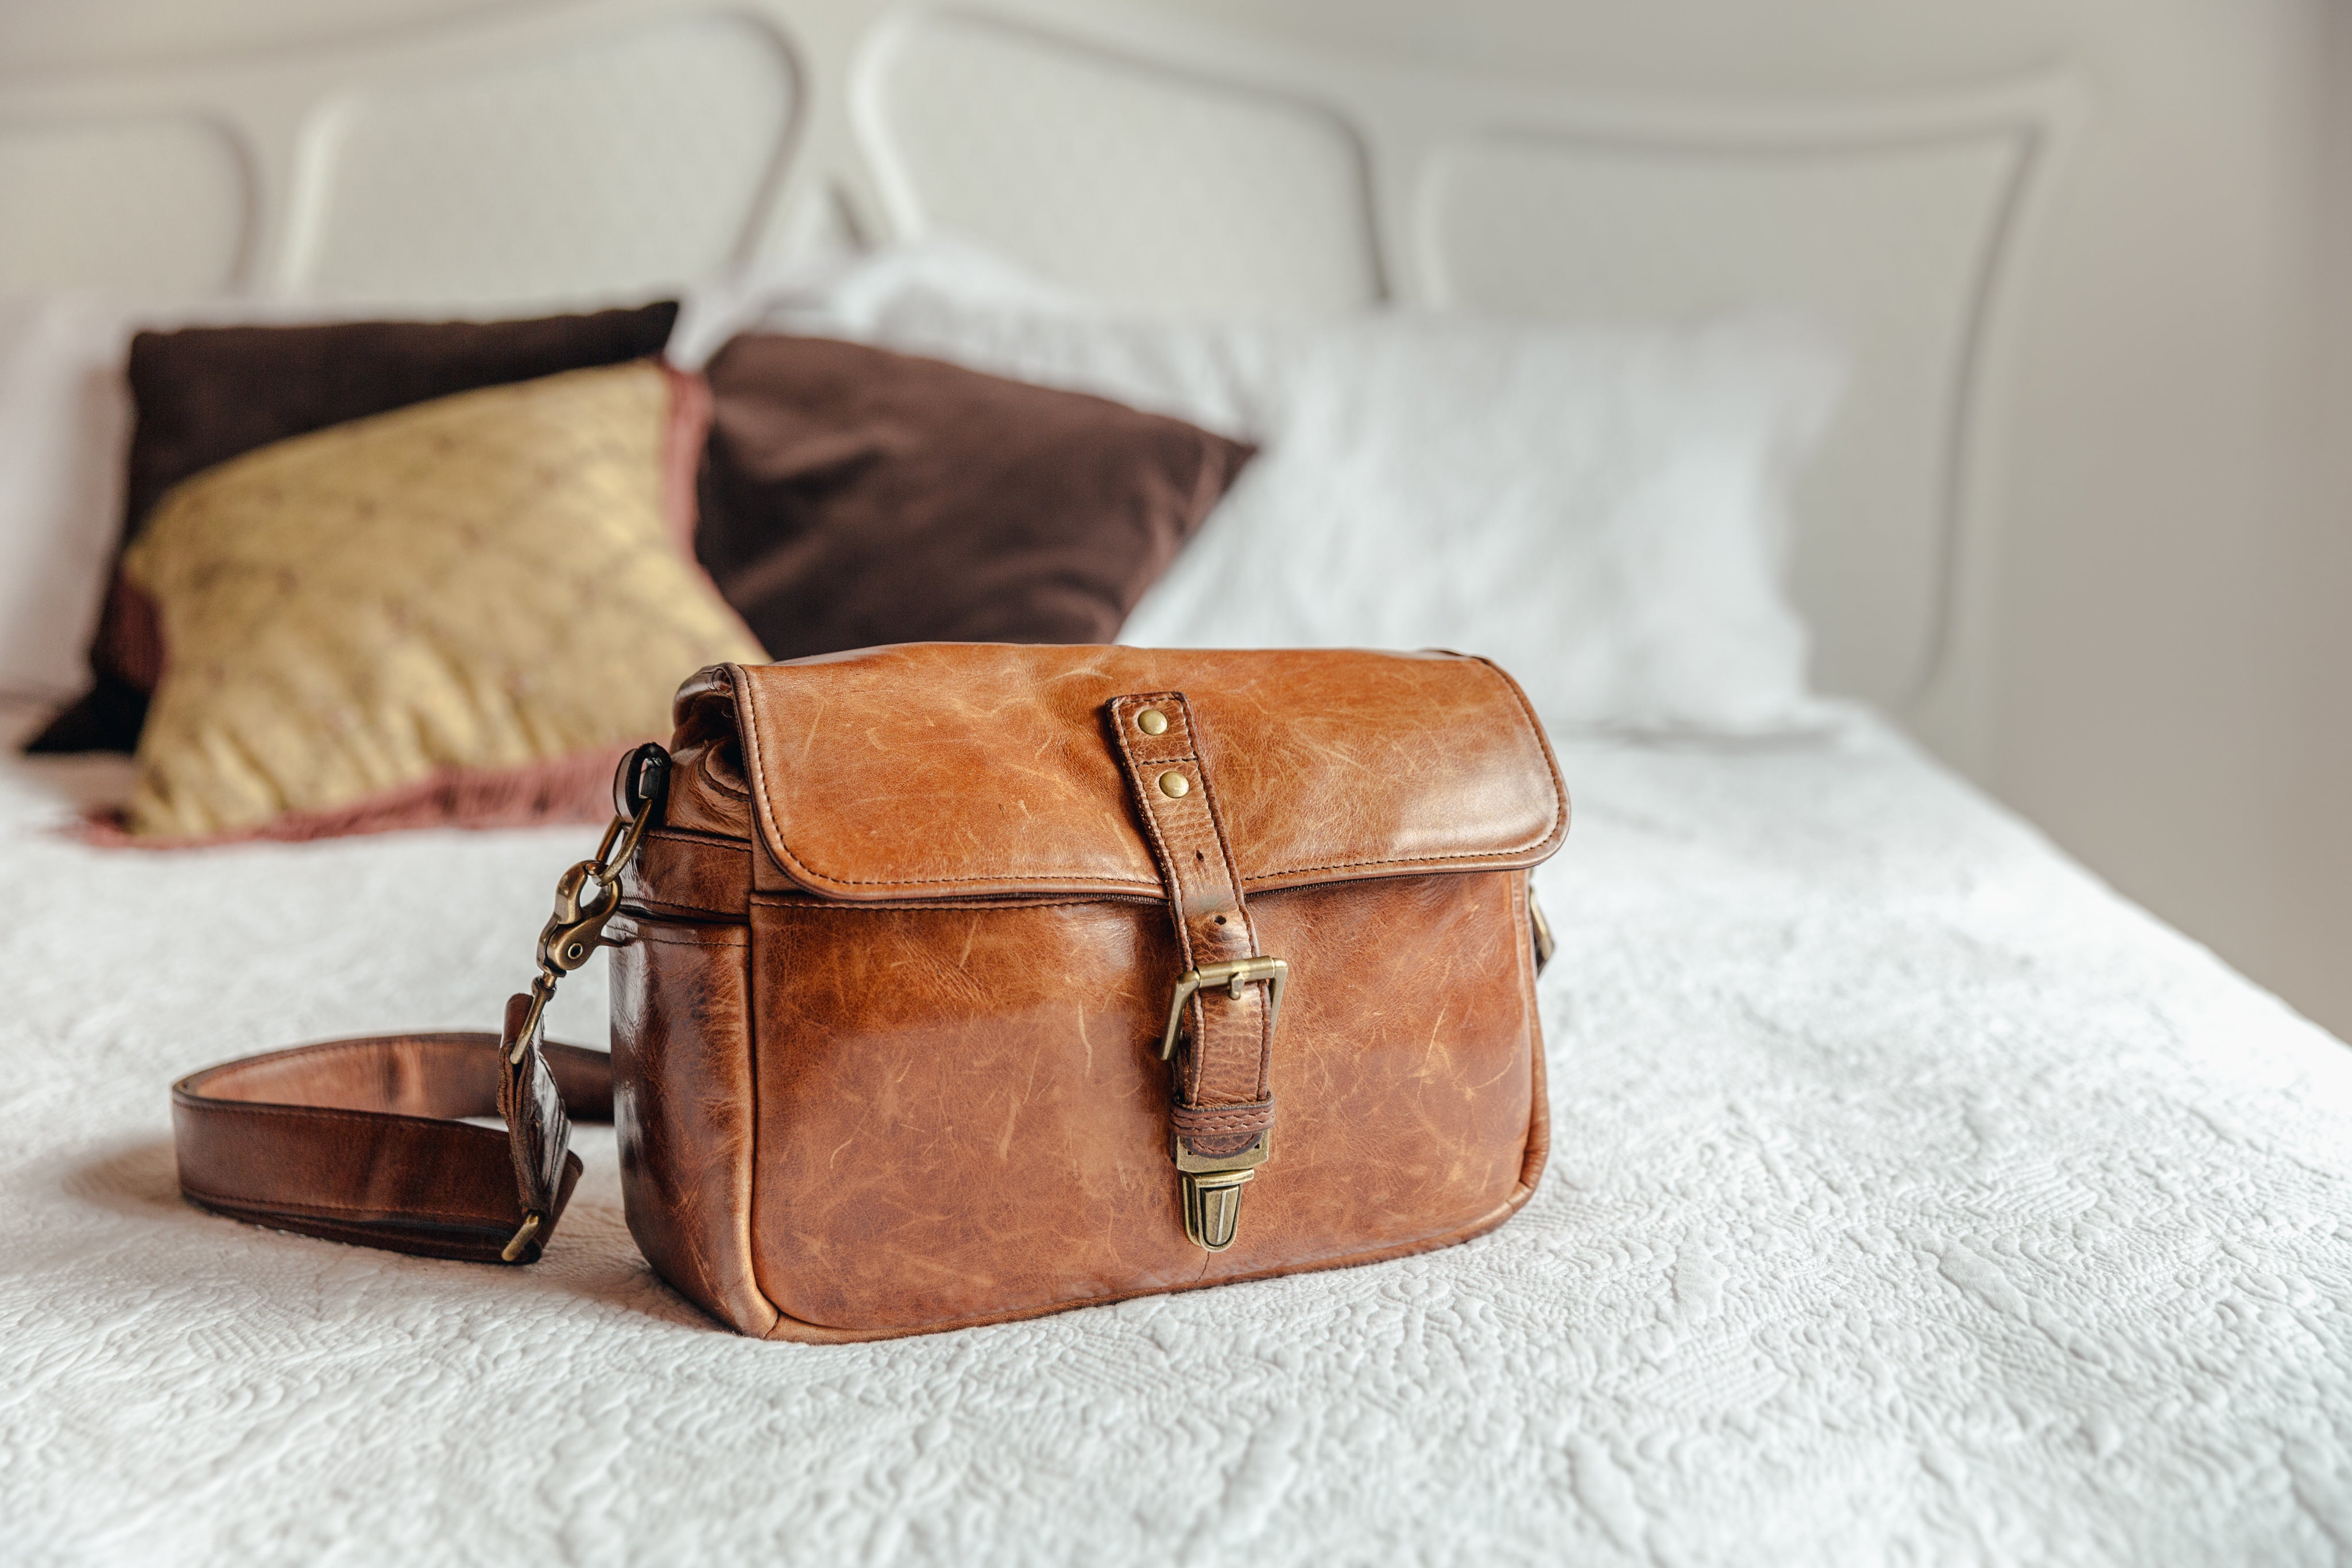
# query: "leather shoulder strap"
x,y
358,1140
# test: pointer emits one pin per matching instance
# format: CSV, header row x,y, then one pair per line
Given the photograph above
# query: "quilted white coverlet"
x,y
1914,1200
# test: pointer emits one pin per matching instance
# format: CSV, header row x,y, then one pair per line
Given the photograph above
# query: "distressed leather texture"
x,y
937,769
682,1041
892,974
921,1164
922,1087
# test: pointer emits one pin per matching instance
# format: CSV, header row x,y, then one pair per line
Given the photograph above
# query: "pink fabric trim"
x,y
130,634
577,788
691,410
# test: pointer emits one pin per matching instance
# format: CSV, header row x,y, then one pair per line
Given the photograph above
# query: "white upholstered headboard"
x,y
608,149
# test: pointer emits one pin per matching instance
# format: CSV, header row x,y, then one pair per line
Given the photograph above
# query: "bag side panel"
x,y
1538,1149
962,1118
682,1107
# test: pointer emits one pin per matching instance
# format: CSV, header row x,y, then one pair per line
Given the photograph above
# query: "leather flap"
x,y
933,770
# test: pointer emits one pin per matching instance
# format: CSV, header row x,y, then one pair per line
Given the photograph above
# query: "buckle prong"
x,y
1232,973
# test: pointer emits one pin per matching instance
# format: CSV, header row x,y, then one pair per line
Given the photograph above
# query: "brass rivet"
x,y
1151,721
1173,784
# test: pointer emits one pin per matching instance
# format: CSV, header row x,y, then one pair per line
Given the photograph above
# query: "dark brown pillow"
x,y
852,496
206,394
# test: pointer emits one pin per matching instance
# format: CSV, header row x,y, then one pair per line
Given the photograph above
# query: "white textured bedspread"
x,y
1913,1199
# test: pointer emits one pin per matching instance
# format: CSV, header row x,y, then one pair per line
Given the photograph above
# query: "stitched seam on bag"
x,y
743,938
288,1207
639,910
705,837
817,875
210,1106
463,1038
1130,882
898,906
747,1236
1243,1115
455,1036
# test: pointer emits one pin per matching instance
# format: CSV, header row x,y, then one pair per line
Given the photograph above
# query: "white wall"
x,y
2176,686
2174,703
2315,948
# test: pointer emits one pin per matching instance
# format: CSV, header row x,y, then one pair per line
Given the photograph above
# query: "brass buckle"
x,y
1232,973
1213,1183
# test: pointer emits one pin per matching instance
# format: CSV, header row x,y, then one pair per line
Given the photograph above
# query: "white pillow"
x,y
64,439
1603,510
65,430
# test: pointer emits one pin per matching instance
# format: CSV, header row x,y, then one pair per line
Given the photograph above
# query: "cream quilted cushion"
x,y
481,582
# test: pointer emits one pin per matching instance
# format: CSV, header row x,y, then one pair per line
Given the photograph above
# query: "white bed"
x,y
1913,1198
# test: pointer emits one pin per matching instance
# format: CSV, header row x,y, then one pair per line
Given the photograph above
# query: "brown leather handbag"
x,y
959,983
